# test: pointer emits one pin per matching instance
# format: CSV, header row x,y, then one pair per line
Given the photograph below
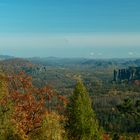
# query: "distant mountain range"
x,y
54,61
4,57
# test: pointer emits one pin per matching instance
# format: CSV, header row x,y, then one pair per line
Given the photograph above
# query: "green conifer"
x,y
82,123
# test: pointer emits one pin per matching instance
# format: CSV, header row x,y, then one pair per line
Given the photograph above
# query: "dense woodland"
x,y
74,99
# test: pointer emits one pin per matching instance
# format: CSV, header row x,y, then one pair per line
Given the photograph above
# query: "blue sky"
x,y
70,28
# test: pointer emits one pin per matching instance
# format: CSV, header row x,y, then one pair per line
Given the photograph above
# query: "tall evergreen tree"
x,y
82,123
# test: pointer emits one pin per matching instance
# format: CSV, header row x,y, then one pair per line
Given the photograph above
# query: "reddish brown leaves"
x,y
106,137
30,103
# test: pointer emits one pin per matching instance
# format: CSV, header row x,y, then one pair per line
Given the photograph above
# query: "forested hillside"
x,y
36,94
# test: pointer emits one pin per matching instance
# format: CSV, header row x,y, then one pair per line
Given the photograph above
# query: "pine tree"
x,y
82,123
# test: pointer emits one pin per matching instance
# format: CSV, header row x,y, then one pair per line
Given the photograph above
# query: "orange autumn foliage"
x,y
106,137
31,104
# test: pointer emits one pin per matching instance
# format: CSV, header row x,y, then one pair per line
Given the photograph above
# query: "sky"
x,y
70,28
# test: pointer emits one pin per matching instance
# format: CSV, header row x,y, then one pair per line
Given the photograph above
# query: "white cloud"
x,y
131,53
92,54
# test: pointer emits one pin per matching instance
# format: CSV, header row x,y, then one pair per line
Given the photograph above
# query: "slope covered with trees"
x,y
31,110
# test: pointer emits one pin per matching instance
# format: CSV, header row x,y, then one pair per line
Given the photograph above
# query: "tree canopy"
x,y
82,123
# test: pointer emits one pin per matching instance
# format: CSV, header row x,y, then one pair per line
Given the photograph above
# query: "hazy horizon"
x,y
76,28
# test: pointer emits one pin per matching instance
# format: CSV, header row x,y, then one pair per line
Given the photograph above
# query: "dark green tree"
x,y
131,109
116,137
82,123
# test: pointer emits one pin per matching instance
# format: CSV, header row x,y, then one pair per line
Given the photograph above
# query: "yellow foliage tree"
x,y
51,128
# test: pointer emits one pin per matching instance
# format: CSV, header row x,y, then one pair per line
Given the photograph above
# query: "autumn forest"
x,y
68,99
